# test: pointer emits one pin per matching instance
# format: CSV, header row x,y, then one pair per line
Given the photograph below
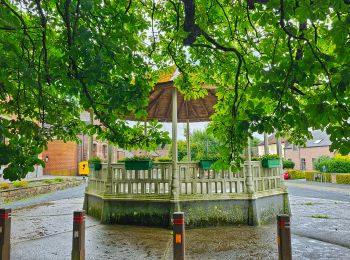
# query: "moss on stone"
x,y
198,216
94,212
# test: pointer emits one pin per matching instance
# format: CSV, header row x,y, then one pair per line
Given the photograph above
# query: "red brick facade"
x,y
63,158
306,155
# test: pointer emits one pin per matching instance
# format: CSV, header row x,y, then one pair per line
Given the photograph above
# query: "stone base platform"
x,y
245,209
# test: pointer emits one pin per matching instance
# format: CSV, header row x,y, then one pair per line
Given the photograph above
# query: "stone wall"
x,y
26,192
258,209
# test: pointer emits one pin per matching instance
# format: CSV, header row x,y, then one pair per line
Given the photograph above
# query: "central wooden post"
x,y
249,176
175,172
266,143
188,141
109,170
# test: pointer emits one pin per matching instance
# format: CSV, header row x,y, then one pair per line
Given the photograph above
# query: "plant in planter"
x,y
139,163
207,162
270,161
95,163
164,159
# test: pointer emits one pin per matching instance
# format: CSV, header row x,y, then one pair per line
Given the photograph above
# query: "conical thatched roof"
x,y
160,103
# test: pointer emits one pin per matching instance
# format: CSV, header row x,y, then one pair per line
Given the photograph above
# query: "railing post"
x,y
283,237
78,248
5,233
179,235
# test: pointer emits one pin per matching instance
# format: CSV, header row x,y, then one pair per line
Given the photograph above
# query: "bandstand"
x,y
252,196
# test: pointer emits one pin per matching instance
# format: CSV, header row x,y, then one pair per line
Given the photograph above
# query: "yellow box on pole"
x,y
83,168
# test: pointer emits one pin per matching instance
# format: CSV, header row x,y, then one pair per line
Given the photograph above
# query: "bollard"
x,y
5,233
78,248
283,237
179,235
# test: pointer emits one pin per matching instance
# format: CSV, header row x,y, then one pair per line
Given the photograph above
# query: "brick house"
x,y
63,158
304,156
272,144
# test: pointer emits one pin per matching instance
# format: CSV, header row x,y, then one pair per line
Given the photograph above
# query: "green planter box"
x,y
270,163
95,165
139,165
205,164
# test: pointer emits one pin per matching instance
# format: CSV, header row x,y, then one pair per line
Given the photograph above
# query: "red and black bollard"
x,y
283,237
5,233
179,235
78,248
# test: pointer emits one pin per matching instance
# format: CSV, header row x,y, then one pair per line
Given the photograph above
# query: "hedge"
x,y
296,174
288,164
343,178
310,176
333,165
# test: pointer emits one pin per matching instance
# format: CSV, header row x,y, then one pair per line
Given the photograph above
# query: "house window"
x,y
318,141
104,151
302,164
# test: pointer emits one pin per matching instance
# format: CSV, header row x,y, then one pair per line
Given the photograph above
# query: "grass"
x,y
320,216
5,186
20,184
49,181
58,180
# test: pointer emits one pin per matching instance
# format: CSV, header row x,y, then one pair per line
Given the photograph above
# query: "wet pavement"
x,y
44,231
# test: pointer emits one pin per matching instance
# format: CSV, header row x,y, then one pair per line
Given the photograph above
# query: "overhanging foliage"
x,y
279,66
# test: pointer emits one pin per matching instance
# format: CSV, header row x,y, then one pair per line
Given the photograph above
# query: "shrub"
x,y
320,161
343,178
138,158
48,181
296,174
270,157
309,176
256,158
313,176
5,186
163,159
95,160
18,184
58,180
288,164
339,164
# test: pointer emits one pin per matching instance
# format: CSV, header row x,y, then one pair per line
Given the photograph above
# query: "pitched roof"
x,y
319,139
272,140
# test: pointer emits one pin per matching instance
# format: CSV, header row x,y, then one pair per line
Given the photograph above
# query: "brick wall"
x,y
308,154
62,158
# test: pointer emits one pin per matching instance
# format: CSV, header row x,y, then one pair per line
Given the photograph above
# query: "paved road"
x,y
328,191
75,192
45,224
321,212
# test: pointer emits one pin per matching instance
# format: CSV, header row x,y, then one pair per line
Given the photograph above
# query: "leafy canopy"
x,y
278,65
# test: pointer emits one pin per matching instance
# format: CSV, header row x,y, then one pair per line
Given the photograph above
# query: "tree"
x,y
59,58
279,66
203,145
